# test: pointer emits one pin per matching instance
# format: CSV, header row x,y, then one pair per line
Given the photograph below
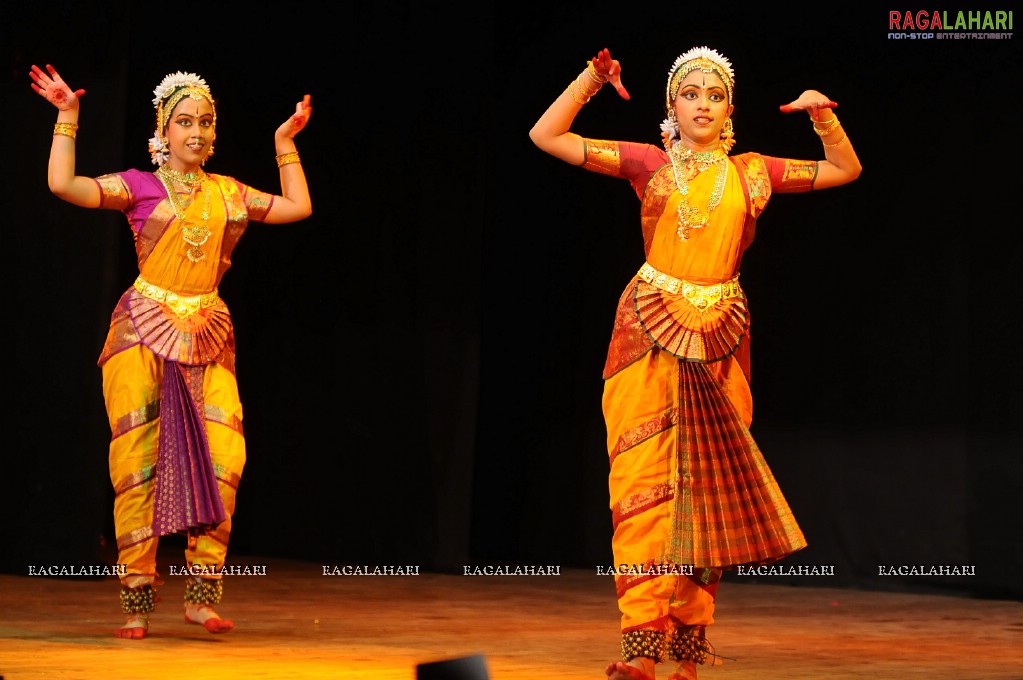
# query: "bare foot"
x,y
207,618
639,668
135,628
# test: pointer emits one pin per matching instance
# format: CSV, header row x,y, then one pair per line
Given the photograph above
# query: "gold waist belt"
x,y
699,296
182,305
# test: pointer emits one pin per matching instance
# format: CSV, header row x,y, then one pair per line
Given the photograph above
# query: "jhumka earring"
x,y
727,135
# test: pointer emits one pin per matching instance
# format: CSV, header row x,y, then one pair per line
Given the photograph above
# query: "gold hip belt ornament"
x,y
700,297
181,305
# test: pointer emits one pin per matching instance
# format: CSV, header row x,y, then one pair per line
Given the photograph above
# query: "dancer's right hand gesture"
x,y
53,89
609,68
60,174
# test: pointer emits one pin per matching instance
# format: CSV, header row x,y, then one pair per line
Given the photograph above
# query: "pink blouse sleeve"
x,y
257,203
114,193
133,192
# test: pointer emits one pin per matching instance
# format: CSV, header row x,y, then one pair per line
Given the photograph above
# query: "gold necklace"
x,y
689,216
195,235
192,179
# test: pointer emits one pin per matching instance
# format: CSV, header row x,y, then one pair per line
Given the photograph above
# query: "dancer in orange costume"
x,y
177,448
690,493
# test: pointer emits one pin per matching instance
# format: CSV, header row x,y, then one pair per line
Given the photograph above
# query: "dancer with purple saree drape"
x,y
177,448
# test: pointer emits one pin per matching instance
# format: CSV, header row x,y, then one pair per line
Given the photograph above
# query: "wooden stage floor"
x,y
297,623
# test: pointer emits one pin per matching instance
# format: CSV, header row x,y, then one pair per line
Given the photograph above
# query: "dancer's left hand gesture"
x,y
297,122
810,101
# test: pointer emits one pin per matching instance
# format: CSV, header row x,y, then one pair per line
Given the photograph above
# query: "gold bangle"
x,y
575,96
830,126
592,72
286,158
66,129
831,146
586,92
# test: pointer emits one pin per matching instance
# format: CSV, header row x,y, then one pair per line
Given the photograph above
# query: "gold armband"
x,y
66,129
286,158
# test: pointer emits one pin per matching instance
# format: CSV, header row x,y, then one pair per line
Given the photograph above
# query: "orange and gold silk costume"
x,y
688,486
172,317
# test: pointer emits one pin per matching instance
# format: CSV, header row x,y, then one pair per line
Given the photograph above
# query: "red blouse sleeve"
x,y
628,160
790,176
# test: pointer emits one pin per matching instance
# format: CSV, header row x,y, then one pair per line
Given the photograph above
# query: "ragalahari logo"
x,y
950,24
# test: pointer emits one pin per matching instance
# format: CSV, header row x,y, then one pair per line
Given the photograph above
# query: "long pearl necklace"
x,y
195,235
683,161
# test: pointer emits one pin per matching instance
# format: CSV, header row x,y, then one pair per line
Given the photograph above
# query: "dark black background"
x,y
420,360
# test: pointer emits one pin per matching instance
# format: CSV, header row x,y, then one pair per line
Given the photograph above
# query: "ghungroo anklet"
x,y
689,644
203,591
140,600
651,644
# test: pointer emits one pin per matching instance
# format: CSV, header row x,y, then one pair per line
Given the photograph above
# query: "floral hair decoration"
x,y
171,90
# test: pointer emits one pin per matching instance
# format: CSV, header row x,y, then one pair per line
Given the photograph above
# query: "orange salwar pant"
x,y
640,405
131,390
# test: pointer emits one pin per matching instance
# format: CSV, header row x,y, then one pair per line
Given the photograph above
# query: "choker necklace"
x,y
191,179
684,161
195,235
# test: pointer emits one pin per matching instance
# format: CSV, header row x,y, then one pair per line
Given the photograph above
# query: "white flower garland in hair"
x,y
175,80
705,53
669,133
158,151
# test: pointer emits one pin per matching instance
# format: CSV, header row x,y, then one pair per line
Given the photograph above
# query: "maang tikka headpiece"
x,y
708,61
171,90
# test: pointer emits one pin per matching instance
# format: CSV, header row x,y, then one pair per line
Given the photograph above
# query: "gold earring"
x,y
727,135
